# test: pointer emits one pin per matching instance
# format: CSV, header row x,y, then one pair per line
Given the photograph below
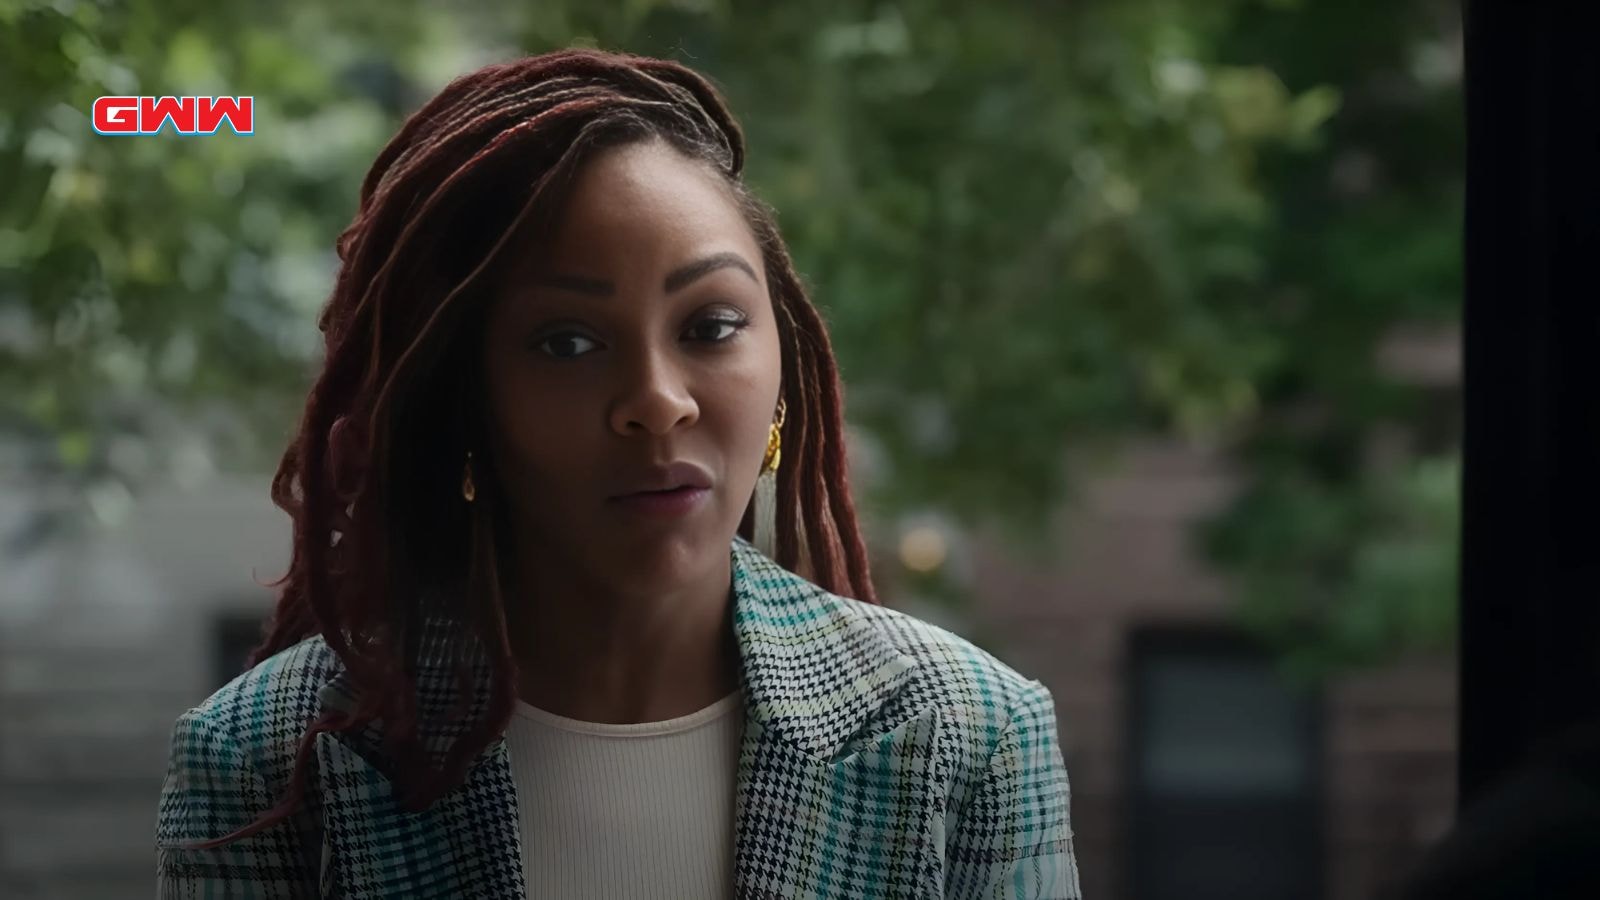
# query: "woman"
x,y
525,646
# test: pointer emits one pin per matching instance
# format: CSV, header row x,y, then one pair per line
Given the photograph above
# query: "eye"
x,y
717,328
566,345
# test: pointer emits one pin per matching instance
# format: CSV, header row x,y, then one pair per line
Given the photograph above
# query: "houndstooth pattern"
x,y
882,757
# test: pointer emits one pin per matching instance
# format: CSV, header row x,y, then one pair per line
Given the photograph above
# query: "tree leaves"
x,y
1030,226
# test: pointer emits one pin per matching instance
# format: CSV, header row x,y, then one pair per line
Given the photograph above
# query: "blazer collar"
x,y
814,667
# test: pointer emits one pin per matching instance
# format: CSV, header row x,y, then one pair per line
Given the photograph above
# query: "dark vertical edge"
x,y
1530,565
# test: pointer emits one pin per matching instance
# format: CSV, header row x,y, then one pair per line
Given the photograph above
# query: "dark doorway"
x,y
1223,773
234,635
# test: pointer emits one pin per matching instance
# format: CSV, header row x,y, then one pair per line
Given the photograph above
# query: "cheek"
x,y
748,397
741,431
540,433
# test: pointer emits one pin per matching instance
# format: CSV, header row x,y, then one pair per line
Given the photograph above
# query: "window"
x,y
1223,774
234,636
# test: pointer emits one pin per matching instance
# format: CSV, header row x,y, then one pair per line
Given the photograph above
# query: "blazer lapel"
x,y
814,668
840,789
466,845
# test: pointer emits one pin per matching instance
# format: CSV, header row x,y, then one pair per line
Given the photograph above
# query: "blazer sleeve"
x,y
211,789
1014,839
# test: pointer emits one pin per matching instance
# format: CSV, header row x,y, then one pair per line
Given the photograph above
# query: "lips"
x,y
663,504
680,476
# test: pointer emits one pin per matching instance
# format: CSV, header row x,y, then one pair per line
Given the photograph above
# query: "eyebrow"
x,y
676,280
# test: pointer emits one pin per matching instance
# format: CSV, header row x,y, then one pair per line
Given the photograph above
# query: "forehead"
x,y
643,200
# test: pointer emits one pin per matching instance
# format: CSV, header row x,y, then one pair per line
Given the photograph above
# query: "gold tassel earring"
x,y
469,490
769,463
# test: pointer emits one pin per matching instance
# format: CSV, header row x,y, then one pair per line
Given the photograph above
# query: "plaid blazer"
x,y
882,757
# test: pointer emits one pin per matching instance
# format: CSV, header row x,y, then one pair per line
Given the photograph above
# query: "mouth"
x,y
670,490
671,502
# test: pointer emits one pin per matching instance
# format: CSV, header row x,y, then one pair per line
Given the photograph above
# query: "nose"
x,y
654,397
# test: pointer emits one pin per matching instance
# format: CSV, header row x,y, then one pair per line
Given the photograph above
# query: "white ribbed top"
x,y
624,811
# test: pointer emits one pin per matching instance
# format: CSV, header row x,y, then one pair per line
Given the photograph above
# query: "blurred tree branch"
x,y
1030,225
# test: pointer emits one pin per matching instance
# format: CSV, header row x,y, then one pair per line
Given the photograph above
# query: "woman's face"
x,y
636,350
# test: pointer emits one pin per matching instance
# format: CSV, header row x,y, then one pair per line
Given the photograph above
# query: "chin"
x,y
652,561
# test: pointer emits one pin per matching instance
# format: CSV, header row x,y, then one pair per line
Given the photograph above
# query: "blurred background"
x,y
1148,313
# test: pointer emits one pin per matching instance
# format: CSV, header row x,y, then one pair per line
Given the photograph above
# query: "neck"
x,y
590,650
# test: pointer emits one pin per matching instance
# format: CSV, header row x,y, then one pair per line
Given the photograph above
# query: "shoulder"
x,y
985,707
256,720
953,672
231,757
823,641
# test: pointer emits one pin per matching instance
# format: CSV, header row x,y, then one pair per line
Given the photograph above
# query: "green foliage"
x,y
141,279
1345,542
1341,576
1030,226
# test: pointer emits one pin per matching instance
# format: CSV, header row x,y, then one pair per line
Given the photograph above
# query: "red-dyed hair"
x,y
372,479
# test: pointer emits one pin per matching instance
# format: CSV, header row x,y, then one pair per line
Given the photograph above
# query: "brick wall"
x,y
1124,560
1391,772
